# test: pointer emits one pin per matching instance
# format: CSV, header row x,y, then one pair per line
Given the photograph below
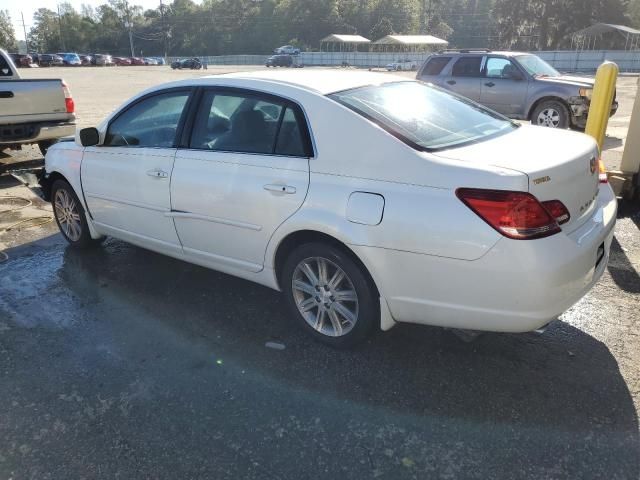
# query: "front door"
x,y
126,179
504,87
245,172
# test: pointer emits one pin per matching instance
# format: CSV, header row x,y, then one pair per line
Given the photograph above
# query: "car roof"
x,y
323,81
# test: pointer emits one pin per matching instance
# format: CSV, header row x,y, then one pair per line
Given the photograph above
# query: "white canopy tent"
x,y
342,43
408,43
605,35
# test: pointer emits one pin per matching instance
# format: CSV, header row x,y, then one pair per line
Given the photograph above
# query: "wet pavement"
x,y
121,363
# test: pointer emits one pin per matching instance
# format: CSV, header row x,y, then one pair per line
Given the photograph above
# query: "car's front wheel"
x,y
551,113
70,216
331,296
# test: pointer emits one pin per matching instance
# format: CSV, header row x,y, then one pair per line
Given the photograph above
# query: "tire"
x,y
64,199
335,322
44,146
551,113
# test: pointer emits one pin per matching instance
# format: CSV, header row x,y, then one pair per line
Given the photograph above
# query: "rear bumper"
x,y
518,286
25,133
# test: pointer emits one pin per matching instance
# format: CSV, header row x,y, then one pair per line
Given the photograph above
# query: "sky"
x,y
28,7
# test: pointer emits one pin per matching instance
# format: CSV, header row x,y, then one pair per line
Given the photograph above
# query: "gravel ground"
x,y
120,363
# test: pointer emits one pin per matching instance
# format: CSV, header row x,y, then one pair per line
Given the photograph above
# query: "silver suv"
x,y
519,85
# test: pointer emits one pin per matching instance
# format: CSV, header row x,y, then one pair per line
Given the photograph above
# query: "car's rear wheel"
x,y
331,296
70,216
551,113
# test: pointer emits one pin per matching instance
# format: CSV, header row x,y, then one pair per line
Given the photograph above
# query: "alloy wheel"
x,y
549,117
68,215
325,296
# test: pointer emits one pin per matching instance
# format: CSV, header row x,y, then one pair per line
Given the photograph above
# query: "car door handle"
x,y
157,173
280,188
6,94
490,84
451,82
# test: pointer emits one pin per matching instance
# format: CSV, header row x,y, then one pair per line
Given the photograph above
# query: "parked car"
x,y
160,60
518,85
279,61
137,61
50,60
402,65
34,111
352,193
150,61
71,59
287,50
86,60
122,61
192,63
102,60
21,59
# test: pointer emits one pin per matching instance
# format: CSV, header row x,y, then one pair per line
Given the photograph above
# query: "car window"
x,y
499,68
435,65
5,69
246,124
467,67
423,116
151,122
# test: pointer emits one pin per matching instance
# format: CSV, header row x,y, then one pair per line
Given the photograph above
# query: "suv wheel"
x,y
551,113
330,295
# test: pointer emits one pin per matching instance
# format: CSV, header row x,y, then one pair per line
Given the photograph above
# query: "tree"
x,y
7,33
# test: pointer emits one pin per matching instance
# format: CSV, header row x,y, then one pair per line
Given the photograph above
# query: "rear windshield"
x,y
423,116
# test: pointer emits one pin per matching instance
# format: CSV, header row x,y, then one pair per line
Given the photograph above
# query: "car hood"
x,y
569,80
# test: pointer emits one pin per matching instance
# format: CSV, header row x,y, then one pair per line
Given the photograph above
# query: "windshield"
x,y
536,66
424,116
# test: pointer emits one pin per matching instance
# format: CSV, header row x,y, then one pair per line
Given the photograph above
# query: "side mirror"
x,y
516,75
89,137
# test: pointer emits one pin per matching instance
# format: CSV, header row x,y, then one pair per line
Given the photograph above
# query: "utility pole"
x,y
60,28
24,28
164,30
128,24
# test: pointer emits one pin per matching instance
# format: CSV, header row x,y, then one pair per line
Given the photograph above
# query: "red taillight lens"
x,y
517,215
557,210
71,107
68,101
602,172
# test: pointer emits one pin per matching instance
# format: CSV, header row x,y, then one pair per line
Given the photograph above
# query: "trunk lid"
x,y
560,165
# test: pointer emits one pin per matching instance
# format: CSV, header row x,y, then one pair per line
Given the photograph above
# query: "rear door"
x,y
245,171
126,179
504,87
466,76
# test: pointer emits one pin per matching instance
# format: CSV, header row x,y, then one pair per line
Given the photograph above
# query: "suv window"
x,y
247,124
435,65
499,68
467,67
151,122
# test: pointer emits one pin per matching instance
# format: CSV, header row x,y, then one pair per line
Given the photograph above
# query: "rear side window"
x,y
467,67
5,69
151,122
231,122
435,65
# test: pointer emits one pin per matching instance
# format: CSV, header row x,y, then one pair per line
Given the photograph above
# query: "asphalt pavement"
x,y
121,363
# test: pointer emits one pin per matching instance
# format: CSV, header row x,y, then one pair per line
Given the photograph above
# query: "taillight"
x,y
516,215
68,100
602,172
557,210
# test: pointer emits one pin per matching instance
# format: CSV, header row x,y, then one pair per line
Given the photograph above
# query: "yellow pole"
x,y
601,100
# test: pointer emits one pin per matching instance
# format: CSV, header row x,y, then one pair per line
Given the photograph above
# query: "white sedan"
x,y
368,199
